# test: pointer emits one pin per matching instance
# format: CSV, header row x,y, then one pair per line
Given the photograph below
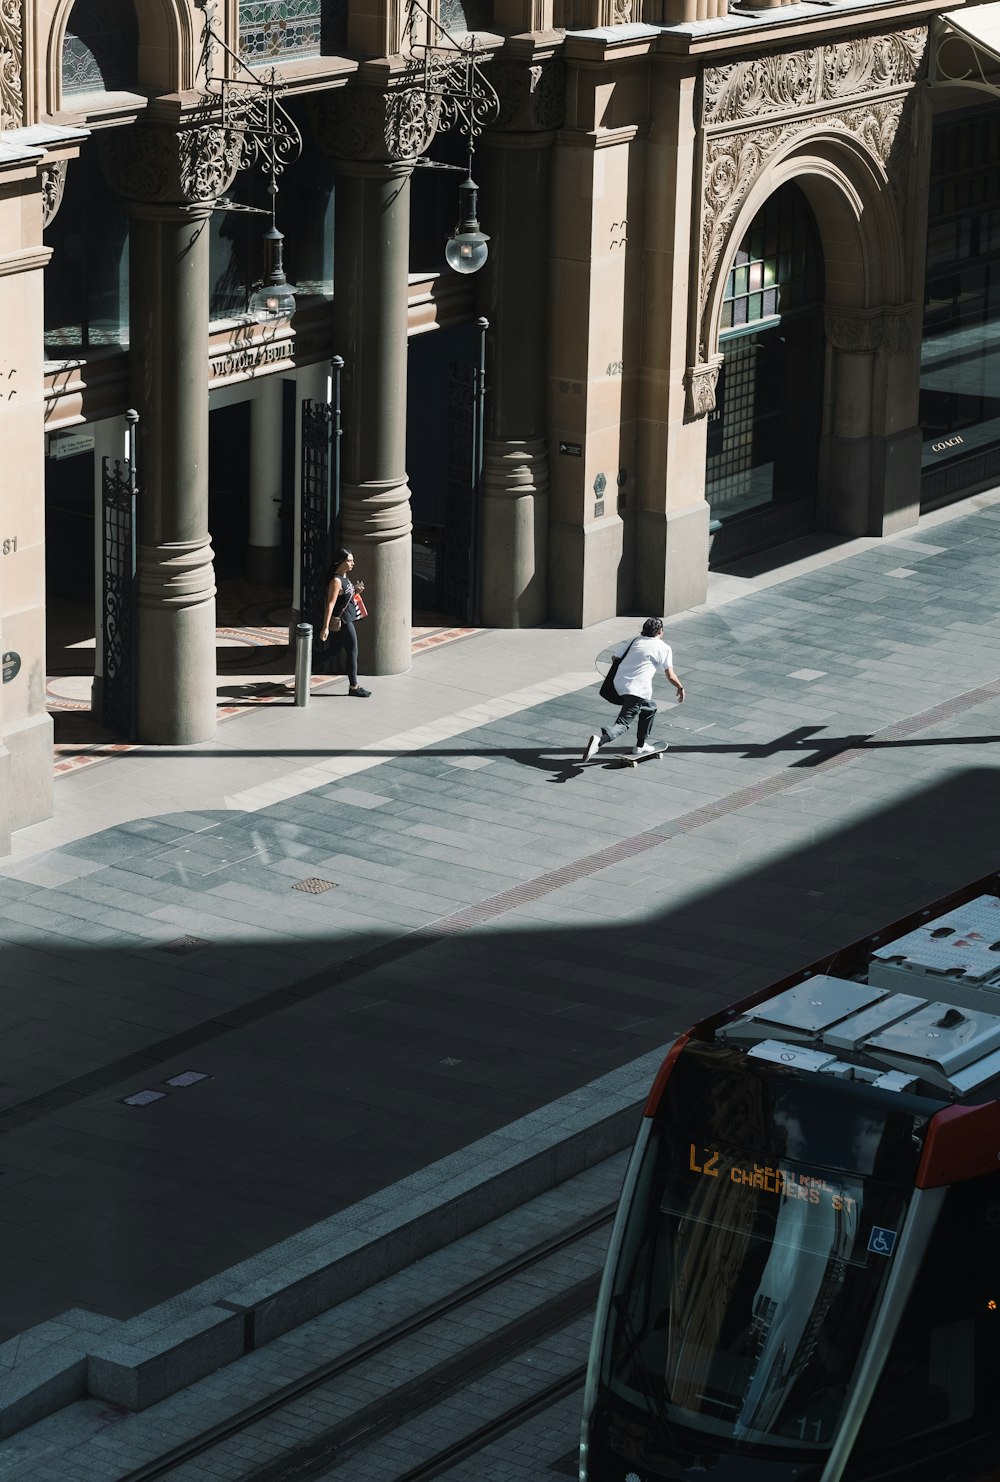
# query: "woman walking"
x,y
341,615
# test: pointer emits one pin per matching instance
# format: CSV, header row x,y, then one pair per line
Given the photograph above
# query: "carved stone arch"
x,y
857,220
169,46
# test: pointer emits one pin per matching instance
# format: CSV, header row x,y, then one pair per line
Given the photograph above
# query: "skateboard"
x,y
633,761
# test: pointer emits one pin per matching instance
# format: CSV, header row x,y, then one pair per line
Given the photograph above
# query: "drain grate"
x,y
183,944
314,886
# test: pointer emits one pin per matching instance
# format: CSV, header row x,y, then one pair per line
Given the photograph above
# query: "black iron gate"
x,y
118,494
320,516
460,543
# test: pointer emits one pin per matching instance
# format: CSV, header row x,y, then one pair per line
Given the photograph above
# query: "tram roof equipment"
x,y
923,1016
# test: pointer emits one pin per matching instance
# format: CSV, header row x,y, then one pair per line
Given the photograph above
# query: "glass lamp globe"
x,y
465,252
272,300
272,303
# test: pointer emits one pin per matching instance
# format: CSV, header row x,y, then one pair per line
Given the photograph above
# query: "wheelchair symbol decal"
x,y
882,1241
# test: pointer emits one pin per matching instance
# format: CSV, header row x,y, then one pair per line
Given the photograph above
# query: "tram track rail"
x,y
381,1416
495,1430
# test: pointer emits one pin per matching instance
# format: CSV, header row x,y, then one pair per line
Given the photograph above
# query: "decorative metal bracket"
x,y
250,106
451,74
957,58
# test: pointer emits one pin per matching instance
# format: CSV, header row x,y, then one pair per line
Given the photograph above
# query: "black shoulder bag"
x,y
607,690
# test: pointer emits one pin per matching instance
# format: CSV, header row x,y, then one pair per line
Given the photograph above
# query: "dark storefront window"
x,y
86,280
100,48
305,216
763,434
960,357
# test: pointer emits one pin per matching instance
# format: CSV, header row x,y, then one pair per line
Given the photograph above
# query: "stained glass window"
x,y
280,28
458,17
100,48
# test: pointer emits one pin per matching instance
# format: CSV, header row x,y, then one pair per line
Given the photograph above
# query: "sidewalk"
x,y
341,942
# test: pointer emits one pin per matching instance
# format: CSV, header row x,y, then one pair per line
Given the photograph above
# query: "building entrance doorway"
x,y
763,436
229,487
443,461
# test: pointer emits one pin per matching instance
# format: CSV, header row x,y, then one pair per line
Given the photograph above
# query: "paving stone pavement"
x,y
483,923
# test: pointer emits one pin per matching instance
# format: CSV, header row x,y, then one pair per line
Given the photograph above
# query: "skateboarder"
x,y
640,659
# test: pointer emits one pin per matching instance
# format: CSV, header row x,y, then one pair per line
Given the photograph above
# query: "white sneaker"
x,y
647,748
591,747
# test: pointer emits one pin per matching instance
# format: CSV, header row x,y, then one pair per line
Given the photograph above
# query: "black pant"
x,y
345,641
633,705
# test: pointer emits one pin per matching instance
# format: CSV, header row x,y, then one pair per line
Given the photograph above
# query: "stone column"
x,y
513,169
171,177
266,418
672,531
373,135
373,243
595,340
870,454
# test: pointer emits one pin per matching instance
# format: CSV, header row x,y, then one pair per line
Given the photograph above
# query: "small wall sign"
x,y
11,665
70,444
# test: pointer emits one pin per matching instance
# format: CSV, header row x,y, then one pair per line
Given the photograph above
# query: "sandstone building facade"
x,y
742,284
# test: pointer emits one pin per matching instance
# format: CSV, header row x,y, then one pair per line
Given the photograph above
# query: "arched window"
x,y
762,447
779,265
100,50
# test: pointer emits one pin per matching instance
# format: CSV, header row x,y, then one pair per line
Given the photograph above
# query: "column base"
x,y
586,583
25,776
375,526
870,485
514,533
672,559
176,669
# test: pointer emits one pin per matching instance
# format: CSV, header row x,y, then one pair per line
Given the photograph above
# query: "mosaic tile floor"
x,y
251,642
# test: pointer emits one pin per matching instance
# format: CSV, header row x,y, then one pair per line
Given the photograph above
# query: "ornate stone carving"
x,y
358,123
174,166
11,64
532,98
816,75
700,384
53,178
622,13
864,331
734,161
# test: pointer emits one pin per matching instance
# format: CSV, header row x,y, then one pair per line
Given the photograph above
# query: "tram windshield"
x,y
751,1268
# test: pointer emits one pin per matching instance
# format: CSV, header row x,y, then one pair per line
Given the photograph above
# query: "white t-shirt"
x,y
636,670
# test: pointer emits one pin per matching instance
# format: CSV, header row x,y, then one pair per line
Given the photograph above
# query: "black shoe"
x,y
359,693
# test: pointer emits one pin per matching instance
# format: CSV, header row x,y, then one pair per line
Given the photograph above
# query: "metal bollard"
x,y
303,661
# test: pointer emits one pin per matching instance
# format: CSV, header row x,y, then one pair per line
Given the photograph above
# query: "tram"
x,y
803,1278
